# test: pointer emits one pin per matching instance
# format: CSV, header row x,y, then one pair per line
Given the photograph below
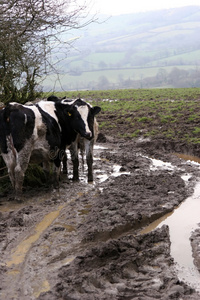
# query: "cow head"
x,y
81,116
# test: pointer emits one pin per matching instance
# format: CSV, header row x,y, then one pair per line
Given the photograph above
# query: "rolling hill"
x,y
143,50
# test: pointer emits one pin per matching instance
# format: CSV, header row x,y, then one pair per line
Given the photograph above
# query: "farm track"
x,y
83,241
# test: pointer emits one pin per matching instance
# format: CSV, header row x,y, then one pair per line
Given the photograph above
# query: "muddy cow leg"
x,y
64,161
20,170
10,162
89,158
74,156
22,161
19,179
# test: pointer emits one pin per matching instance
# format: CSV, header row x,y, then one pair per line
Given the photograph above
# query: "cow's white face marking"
x,y
83,111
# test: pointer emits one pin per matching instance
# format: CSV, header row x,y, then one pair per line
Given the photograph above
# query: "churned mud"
x,y
88,241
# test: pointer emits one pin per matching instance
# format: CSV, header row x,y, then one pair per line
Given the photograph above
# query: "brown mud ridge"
x,y
83,241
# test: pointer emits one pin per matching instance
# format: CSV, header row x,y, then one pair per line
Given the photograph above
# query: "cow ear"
x,y
96,110
68,111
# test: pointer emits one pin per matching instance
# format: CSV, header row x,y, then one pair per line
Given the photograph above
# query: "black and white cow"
x,y
84,144
41,132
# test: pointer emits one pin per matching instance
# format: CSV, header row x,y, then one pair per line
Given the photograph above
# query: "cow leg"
x,y
22,161
20,170
89,158
19,179
64,161
17,165
57,169
10,162
74,156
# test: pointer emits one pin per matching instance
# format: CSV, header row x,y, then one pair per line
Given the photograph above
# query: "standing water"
x,y
182,221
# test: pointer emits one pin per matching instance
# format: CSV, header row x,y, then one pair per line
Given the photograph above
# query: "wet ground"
x,y
88,241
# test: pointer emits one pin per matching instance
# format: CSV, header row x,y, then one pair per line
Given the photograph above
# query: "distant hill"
x,y
142,50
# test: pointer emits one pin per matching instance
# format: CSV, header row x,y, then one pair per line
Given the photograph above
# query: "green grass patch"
x,y
196,130
169,113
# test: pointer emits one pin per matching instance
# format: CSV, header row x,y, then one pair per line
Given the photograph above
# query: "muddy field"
x,y
83,241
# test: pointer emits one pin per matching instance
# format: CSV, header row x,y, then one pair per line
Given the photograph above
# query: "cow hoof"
x,y
56,186
16,198
11,198
19,199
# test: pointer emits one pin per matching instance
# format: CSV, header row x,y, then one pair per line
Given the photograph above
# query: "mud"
x,y
84,241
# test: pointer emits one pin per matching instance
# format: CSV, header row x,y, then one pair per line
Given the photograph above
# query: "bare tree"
x,y
30,31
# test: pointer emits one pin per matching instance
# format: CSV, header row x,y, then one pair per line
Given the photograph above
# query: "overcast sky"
x,y
117,7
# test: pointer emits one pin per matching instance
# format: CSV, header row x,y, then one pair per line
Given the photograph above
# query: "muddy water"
x,y
19,253
182,221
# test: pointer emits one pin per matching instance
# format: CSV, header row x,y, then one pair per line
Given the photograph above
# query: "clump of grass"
x,y
144,119
166,118
34,177
196,130
193,118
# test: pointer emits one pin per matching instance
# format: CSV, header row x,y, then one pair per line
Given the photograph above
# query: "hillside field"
x,y
170,114
146,50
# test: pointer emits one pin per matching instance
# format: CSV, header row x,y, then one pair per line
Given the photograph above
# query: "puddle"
x,y
155,224
159,164
117,172
191,158
99,147
68,228
85,210
101,177
182,221
20,252
7,206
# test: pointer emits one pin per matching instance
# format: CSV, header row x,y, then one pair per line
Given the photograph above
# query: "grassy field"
x,y
129,51
116,77
134,94
167,114
157,113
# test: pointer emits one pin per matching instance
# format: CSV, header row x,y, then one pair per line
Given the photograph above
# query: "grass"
x,y
157,113
136,94
172,114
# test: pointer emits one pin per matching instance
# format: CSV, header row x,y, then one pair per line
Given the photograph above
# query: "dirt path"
x,y
83,241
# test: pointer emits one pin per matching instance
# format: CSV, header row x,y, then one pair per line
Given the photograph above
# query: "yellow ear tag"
x,y
69,114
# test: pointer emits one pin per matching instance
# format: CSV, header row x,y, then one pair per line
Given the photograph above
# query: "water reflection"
x,y
182,221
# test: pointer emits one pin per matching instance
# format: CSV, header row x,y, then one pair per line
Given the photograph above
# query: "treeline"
x,y
178,78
